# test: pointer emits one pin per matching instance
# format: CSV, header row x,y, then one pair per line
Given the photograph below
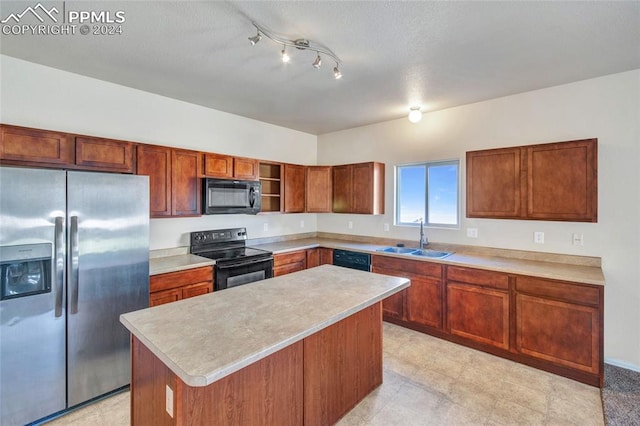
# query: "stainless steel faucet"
x,y
423,239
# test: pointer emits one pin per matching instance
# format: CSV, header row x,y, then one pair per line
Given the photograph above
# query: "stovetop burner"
x,y
225,245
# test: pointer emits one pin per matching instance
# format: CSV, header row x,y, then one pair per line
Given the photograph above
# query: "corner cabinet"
x,y
556,181
358,188
174,180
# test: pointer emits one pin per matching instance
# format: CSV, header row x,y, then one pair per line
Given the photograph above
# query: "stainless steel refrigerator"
x,y
74,255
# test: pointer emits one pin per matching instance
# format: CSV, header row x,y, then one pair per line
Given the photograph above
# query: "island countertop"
x,y
206,338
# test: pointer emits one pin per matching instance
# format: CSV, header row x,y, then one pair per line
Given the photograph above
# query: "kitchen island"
x,y
303,348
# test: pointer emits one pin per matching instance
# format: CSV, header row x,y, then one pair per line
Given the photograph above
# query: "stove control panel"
x,y
218,236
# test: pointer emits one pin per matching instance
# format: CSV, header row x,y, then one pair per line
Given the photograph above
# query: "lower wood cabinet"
x,y
172,286
286,263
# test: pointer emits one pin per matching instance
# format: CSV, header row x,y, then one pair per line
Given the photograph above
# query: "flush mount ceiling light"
x,y
300,44
415,115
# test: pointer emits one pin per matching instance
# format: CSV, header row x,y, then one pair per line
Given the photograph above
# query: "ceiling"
x,y
395,54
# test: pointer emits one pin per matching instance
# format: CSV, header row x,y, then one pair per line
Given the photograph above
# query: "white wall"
x,y
607,108
37,96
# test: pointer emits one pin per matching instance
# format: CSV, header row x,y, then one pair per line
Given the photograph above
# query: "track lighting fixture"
x,y
316,64
255,39
300,44
415,115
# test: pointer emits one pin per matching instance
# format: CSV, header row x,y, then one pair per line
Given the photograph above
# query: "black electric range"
x,y
236,264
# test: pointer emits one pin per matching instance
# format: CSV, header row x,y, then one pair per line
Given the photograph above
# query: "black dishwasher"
x,y
352,259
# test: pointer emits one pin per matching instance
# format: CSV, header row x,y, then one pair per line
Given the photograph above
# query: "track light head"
x,y
285,56
336,72
316,64
255,39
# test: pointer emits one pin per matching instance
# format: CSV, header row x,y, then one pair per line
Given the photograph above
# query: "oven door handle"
x,y
243,263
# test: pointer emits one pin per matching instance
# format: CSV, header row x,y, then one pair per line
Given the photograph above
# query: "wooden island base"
x,y
314,381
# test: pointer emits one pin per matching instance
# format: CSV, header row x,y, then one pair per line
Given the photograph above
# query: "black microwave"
x,y
228,196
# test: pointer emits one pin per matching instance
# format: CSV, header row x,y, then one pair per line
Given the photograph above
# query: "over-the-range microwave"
x,y
227,196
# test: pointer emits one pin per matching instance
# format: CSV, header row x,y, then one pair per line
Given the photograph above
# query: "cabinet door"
x,y
104,154
479,314
286,263
494,183
22,144
186,183
166,296
245,168
561,181
155,162
562,333
294,183
368,188
218,166
424,301
313,258
342,189
318,191
392,306
326,256
197,289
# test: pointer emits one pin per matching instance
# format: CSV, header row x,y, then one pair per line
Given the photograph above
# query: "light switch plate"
x,y
538,237
386,227
169,401
265,227
350,225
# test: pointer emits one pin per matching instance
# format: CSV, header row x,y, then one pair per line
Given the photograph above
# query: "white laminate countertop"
x,y
163,265
205,338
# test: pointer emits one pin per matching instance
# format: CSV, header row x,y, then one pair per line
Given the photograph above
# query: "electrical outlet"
x,y
472,232
538,237
386,227
169,401
577,239
265,227
350,224
302,224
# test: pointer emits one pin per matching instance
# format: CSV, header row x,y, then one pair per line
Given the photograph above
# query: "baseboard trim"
x,y
622,364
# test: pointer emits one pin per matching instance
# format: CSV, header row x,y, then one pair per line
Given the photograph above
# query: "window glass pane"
x,y
411,193
443,194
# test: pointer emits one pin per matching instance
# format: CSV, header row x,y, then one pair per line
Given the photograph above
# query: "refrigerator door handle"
x,y
73,275
59,263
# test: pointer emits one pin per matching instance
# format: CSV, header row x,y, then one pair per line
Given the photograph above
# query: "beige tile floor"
x,y
428,381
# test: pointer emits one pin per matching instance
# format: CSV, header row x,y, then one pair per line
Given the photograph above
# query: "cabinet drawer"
x,y
478,277
165,296
574,293
104,154
408,266
286,258
197,289
180,278
288,268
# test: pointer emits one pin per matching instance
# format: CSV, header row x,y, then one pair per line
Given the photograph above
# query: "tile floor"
x,y
428,381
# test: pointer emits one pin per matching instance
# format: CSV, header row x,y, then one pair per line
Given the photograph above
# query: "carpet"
x,y
621,396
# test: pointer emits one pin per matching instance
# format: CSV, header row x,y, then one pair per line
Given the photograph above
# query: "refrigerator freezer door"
x,y
109,255
32,333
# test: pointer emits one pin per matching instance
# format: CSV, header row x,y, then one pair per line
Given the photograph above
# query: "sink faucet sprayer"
x,y
423,240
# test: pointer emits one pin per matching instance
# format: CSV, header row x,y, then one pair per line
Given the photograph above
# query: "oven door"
x,y
233,274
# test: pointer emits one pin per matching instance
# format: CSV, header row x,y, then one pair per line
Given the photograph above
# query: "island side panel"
x,y
267,392
342,365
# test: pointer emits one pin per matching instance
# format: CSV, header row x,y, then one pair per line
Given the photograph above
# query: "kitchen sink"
x,y
398,250
434,254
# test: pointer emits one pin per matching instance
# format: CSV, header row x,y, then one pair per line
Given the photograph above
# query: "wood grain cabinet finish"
x,y
478,306
218,166
555,181
313,257
186,183
155,162
318,189
24,145
246,168
294,188
358,188
105,154
561,323
172,286
286,263
326,256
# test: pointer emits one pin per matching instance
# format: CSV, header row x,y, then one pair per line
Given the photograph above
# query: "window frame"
x,y
427,164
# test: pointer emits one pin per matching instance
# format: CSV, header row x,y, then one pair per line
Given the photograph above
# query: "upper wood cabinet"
x,y
358,188
318,189
556,181
39,146
25,146
271,182
174,180
105,154
228,167
294,188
